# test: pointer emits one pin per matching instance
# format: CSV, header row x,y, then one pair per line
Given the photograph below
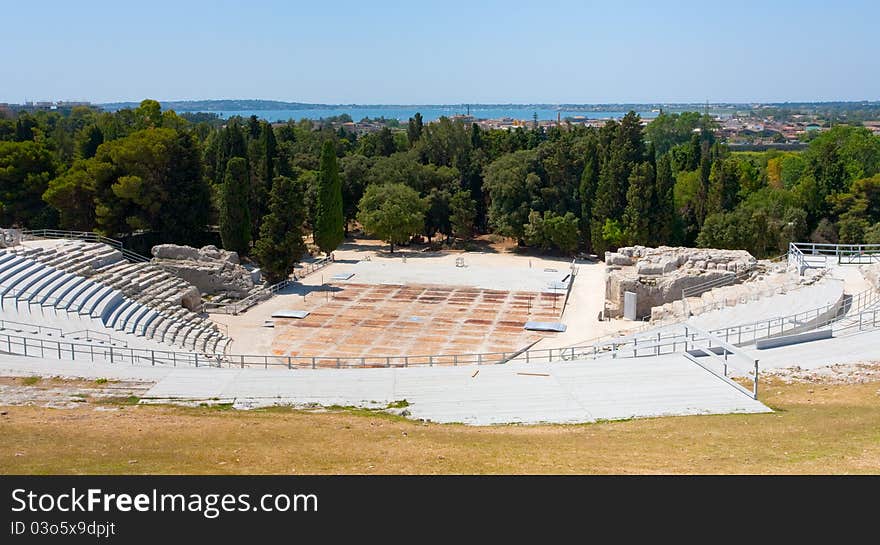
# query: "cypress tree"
x,y
702,202
664,190
723,186
587,189
610,198
263,172
414,129
235,218
329,229
280,244
639,199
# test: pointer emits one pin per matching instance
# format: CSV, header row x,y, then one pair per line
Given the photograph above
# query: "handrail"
x,y
236,307
722,359
130,255
844,253
40,328
98,334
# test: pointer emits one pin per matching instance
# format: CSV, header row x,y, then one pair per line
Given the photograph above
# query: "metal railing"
x,y
90,334
86,236
866,320
38,329
699,343
19,345
807,254
573,270
237,307
726,280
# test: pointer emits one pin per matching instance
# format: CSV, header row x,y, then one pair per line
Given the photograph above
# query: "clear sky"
x,y
429,52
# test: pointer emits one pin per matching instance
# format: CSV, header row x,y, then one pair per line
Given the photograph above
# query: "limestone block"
x,y
614,258
648,268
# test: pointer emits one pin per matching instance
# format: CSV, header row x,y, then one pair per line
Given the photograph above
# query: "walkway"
x,y
568,392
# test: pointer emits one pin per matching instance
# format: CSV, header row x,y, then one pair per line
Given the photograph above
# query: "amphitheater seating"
x,y
94,281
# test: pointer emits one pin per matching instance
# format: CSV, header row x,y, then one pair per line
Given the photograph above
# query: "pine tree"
x,y
329,229
235,218
639,199
664,191
280,244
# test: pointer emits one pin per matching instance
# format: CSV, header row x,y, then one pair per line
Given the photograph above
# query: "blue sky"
x,y
413,52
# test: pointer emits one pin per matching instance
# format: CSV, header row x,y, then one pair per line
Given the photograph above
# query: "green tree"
x,y
437,214
151,180
508,182
637,215
280,244
392,212
354,171
587,189
550,230
235,220
73,194
25,170
463,213
723,186
329,231
414,129
664,190
610,200
612,233
88,140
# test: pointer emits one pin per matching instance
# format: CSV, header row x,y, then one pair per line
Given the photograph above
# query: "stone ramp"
x,y
846,347
570,392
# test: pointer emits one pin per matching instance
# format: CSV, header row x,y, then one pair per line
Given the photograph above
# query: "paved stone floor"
x,y
377,320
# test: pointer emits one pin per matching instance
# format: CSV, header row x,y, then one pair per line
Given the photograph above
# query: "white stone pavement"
x,y
564,392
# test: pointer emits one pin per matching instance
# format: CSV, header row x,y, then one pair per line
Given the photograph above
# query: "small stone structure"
x,y
658,275
213,271
10,238
871,273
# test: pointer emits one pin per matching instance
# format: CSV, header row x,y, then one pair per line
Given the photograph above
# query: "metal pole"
x,y
755,384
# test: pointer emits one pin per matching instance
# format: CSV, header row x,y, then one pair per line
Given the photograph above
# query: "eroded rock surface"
x,y
212,271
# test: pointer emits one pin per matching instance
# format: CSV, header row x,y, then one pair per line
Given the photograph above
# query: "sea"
x,y
431,113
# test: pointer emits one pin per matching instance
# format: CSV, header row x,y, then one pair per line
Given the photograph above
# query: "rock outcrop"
x,y
658,275
10,238
212,271
871,273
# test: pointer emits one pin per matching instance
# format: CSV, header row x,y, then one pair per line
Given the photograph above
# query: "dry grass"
x,y
816,429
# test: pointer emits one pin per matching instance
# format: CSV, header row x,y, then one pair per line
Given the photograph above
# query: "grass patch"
x,y
101,381
402,404
31,381
216,406
121,400
821,429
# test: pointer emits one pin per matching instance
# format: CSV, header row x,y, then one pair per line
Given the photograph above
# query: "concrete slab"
x,y
545,326
564,392
290,314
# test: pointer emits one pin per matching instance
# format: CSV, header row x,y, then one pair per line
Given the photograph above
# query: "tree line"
x,y
564,189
